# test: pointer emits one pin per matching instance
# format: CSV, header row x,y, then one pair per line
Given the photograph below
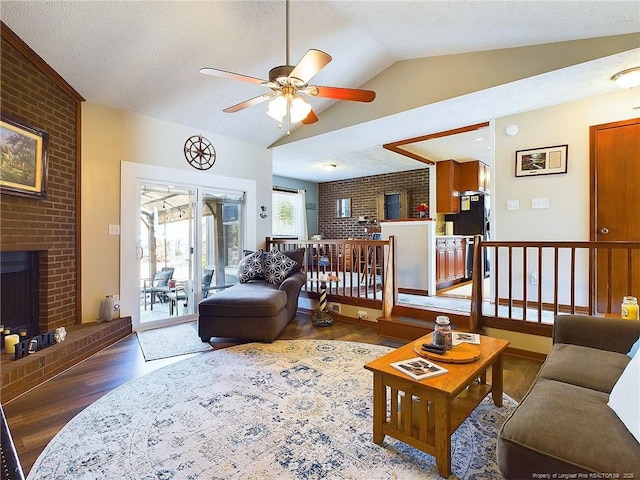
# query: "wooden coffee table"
x,y
424,414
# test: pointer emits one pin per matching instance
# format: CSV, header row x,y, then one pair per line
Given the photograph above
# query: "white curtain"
x,y
301,221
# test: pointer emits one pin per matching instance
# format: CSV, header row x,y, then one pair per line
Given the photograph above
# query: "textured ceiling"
x,y
144,57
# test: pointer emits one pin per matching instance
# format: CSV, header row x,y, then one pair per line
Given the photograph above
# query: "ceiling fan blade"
x,y
312,62
249,103
311,118
233,76
339,93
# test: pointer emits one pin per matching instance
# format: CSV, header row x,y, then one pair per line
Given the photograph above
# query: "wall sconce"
x,y
263,211
628,78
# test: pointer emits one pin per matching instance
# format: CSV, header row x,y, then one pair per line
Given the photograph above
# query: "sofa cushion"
x,y
625,397
277,267
250,267
253,299
560,427
584,366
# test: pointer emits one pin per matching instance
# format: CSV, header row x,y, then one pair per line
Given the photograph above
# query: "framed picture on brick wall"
x,y
23,164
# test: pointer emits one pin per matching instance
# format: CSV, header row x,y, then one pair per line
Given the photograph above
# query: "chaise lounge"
x,y
261,305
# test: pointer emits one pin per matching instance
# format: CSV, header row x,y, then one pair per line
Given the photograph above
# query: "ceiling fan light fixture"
x,y
295,106
278,108
628,78
299,109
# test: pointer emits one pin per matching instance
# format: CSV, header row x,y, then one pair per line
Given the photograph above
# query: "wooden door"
x,y
615,208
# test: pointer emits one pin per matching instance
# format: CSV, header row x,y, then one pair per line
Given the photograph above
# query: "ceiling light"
x,y
628,78
329,166
295,106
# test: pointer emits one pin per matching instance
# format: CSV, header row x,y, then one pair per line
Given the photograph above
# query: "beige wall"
x,y
568,215
110,136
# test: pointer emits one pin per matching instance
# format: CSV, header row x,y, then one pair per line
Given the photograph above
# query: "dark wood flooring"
x,y
35,417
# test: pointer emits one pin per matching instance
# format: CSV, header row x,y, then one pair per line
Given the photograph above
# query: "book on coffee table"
x,y
464,337
419,368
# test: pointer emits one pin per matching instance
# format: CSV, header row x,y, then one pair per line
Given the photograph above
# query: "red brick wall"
x,y
47,226
364,193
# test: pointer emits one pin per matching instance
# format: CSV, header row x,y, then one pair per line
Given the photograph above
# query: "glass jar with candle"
x,y
629,308
442,334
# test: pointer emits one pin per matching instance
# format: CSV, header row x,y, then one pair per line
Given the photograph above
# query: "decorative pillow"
x,y
634,348
624,399
250,267
277,267
297,255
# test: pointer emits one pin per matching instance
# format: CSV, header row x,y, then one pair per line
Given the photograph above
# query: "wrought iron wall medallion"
x,y
199,152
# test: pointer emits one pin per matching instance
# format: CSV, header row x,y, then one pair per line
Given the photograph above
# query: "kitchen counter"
x,y
454,236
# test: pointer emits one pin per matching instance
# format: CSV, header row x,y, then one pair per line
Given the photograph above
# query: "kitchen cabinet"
x,y
450,261
474,176
448,187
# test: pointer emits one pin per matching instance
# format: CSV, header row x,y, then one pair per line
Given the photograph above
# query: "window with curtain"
x,y
285,206
289,214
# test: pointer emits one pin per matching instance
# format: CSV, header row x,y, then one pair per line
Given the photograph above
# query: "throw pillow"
x,y
297,255
634,348
250,267
624,399
277,267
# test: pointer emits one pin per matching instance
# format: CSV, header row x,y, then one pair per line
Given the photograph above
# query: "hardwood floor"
x,y
35,417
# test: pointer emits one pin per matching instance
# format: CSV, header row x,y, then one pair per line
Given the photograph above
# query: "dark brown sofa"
x,y
563,424
256,309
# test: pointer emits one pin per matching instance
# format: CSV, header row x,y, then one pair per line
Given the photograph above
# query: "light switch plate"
x,y
114,229
513,204
538,203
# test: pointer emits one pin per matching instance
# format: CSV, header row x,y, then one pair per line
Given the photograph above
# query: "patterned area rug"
x,y
297,409
171,341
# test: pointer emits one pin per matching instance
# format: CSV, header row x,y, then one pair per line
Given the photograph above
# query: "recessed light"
x,y
329,167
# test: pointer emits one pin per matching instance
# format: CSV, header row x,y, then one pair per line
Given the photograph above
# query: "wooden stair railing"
x,y
365,268
572,277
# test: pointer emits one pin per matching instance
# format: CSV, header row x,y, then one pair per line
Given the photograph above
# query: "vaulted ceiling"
x,y
144,57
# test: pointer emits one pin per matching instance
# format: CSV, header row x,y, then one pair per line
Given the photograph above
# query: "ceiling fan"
x,y
287,82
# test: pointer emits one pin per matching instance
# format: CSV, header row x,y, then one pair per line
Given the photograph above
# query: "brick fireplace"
x,y
46,230
31,93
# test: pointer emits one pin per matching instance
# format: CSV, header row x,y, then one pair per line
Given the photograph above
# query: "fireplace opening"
x,y
19,291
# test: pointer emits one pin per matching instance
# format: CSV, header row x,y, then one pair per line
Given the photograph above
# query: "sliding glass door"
x,y
182,236
166,251
221,216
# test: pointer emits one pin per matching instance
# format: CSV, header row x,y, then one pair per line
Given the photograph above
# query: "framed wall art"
x,y
541,161
23,164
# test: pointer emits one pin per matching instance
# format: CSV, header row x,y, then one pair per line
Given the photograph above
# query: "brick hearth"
x,y
19,376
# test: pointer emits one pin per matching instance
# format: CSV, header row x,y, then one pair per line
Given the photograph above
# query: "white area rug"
x,y
297,409
171,341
